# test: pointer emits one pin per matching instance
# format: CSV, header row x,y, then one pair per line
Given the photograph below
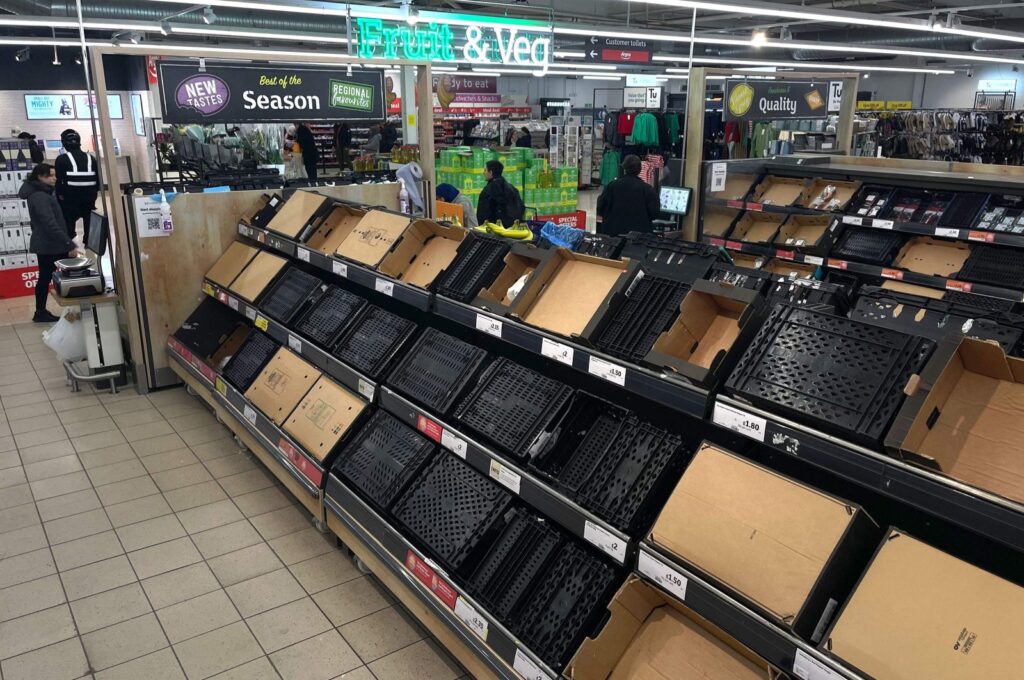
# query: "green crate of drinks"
x,y
567,177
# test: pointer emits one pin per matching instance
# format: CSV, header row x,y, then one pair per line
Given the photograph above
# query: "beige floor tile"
x,y
21,541
61,661
117,472
68,504
169,460
40,437
26,567
13,496
302,545
110,607
204,434
232,464
123,641
217,651
262,501
128,490
333,657
244,564
82,551
81,415
58,486
209,516
265,592
35,454
164,557
31,596
247,482
127,405
37,422
143,417
423,659
161,665
18,517
95,426
361,673
197,616
91,442
150,532
149,447
138,510
36,630
52,468
76,526
218,448
281,522
136,433
107,456
9,459
257,669
29,410
97,577
170,480
194,496
173,410
225,539
28,398
12,477
192,420
290,623
352,600
74,403
180,585
381,633
325,571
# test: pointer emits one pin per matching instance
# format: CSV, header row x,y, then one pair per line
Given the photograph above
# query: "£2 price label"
x,y
556,350
606,541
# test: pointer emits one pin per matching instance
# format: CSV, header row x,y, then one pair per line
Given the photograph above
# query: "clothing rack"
x,y
946,134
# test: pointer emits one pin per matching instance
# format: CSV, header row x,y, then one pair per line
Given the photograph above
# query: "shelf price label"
x,y
383,286
606,541
366,389
983,236
221,386
889,273
339,268
884,224
250,313
607,370
947,232
302,254
233,303
429,428
527,667
506,477
557,351
489,325
294,344
817,261
807,667
468,614
262,323
250,414
739,421
454,443
662,574
853,219
208,290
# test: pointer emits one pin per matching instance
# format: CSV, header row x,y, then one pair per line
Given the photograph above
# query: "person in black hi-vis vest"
x,y
78,182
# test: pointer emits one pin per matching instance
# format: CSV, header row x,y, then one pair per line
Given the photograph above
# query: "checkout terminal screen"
x,y
676,200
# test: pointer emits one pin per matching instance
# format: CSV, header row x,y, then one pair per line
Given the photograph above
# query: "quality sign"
x,y
774,100
273,93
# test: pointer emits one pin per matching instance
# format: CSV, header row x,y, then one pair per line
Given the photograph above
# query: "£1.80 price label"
x,y
739,421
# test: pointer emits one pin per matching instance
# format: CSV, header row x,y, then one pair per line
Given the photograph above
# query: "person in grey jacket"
x,y
50,241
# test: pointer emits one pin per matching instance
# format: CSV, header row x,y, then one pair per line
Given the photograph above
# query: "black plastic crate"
x,y
372,340
478,261
874,246
566,605
451,510
677,259
249,360
382,458
330,315
600,245
980,303
580,442
289,295
436,370
207,327
835,374
514,562
512,405
820,295
740,277
648,310
994,266
964,209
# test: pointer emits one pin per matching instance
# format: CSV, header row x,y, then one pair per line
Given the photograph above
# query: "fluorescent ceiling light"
x,y
486,72
47,23
602,77
268,35
595,67
569,54
799,65
978,33
39,41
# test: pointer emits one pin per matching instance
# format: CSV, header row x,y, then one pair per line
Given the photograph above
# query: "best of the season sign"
x,y
772,99
268,93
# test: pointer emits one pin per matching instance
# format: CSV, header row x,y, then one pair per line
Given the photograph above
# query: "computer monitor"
x,y
676,200
99,233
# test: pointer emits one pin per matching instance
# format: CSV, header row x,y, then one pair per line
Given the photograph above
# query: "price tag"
x,y
339,268
208,289
883,224
233,303
488,325
250,313
607,370
302,254
817,261
606,541
557,351
261,323
294,344
502,475
718,174
468,614
244,230
662,574
250,414
456,445
889,273
807,667
221,386
946,232
366,389
853,219
527,667
386,287
261,236
739,421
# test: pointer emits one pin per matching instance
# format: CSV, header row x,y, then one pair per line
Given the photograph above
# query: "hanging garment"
x,y
645,130
624,125
610,163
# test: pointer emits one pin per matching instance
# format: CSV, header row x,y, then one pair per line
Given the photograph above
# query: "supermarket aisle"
x,y
138,541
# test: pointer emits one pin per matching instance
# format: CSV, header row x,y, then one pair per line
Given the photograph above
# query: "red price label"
x,y
734,245
837,264
755,207
895,274
429,428
735,204
785,254
984,236
961,286
300,462
207,372
426,575
717,241
222,297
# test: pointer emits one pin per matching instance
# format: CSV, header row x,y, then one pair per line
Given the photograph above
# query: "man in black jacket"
x,y
310,151
78,182
499,201
628,203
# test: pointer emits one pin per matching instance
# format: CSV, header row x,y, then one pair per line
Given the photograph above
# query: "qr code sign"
x,y
153,224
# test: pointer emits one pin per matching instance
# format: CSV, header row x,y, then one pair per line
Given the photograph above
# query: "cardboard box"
x,y
220,358
788,549
424,251
813,196
333,227
373,237
736,187
808,233
715,324
779,191
748,260
257,275
523,259
921,614
926,255
571,293
914,289
297,212
756,227
284,381
965,417
323,417
648,636
227,268
789,269
718,220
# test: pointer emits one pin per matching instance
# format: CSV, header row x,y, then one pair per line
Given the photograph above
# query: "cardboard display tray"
x,y
788,269
436,370
718,220
373,237
828,195
737,186
323,418
372,340
478,261
249,360
933,257
281,385
804,232
334,227
229,265
330,315
650,306
778,191
257,276
756,227
522,260
289,295
297,212
425,250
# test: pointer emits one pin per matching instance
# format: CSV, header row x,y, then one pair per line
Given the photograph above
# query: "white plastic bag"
x,y
67,337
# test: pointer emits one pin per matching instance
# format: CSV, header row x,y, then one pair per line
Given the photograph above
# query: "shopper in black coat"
x,y
50,241
310,151
628,203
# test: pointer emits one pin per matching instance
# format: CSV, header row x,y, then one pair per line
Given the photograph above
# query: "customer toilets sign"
x,y
272,93
775,99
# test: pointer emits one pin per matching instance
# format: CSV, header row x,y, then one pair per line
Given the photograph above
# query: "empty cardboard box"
x,y
281,385
966,417
747,260
259,274
789,269
830,195
297,212
373,237
808,233
572,292
914,289
333,227
649,636
231,263
921,614
736,187
717,221
933,257
522,263
424,251
756,227
323,417
779,191
716,322
785,547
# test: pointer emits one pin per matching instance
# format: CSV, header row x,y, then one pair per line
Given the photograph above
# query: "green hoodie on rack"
x,y
645,130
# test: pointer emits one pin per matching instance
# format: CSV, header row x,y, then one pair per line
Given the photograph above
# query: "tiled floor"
x,y
138,542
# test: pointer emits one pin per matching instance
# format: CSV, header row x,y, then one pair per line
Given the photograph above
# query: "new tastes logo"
x,y
204,93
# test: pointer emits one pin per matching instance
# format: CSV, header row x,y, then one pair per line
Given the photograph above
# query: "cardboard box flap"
x,y
522,260
236,258
424,251
736,187
756,227
334,227
255,278
717,220
932,257
284,381
323,417
296,213
913,289
373,237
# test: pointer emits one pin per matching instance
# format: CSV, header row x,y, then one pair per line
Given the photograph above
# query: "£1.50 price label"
x,y
739,421
607,370
662,574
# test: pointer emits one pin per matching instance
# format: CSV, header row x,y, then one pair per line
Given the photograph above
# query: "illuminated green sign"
x,y
489,43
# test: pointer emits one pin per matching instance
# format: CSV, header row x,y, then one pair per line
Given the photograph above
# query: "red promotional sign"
x,y
300,462
151,70
18,282
429,428
630,56
428,577
576,219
